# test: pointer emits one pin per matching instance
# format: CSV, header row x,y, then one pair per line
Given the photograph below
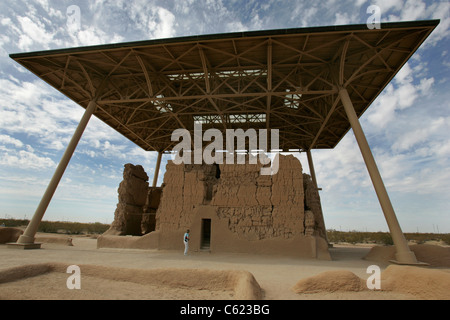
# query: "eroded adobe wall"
x,y
132,197
148,222
314,221
185,186
249,212
261,206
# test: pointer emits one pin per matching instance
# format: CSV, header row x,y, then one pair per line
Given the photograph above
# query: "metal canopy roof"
x,y
278,79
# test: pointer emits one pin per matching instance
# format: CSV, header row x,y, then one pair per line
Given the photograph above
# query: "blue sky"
x,y
407,126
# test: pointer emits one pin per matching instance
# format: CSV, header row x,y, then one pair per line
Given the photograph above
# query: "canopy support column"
x,y
158,164
403,255
312,172
311,168
28,236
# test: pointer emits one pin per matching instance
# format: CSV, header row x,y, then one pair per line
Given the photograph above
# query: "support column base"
x,y
407,258
418,263
23,246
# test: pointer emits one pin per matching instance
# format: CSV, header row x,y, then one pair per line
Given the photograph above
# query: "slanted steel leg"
x,y
404,255
28,236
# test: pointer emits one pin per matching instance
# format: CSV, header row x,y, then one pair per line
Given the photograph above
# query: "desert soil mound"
x,y
424,283
436,256
48,281
9,234
330,281
420,283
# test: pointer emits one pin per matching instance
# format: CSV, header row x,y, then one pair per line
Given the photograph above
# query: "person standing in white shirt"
x,y
186,242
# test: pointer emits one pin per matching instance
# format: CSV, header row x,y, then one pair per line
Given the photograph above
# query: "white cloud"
x,y
146,158
164,28
439,10
307,15
56,145
155,21
183,7
413,10
25,160
407,173
386,5
392,166
442,149
5,139
93,36
411,138
343,18
344,163
33,31
399,95
35,109
359,3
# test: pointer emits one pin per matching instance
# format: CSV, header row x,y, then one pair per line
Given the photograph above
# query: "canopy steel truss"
x,y
148,89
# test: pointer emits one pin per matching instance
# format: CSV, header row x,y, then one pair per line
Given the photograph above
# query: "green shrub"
x,y
384,238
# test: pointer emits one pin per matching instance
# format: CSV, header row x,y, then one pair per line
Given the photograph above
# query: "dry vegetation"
x,y
334,236
60,226
383,238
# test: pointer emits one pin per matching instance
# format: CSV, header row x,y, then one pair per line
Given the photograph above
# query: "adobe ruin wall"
x,y
249,212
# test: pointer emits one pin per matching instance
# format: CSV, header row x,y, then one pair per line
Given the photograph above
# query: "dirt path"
x,y
275,275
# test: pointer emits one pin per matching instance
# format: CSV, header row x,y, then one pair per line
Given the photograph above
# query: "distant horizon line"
x,y
327,229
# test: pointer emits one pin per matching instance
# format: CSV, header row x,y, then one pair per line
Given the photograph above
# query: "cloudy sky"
x,y
407,127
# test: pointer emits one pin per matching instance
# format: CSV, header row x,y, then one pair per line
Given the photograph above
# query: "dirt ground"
x,y
276,276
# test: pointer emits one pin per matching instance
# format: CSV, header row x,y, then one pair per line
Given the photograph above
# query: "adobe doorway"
x,y
206,234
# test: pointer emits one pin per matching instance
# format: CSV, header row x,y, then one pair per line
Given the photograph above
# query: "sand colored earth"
x,y
52,239
330,281
9,234
100,282
109,273
421,283
435,256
